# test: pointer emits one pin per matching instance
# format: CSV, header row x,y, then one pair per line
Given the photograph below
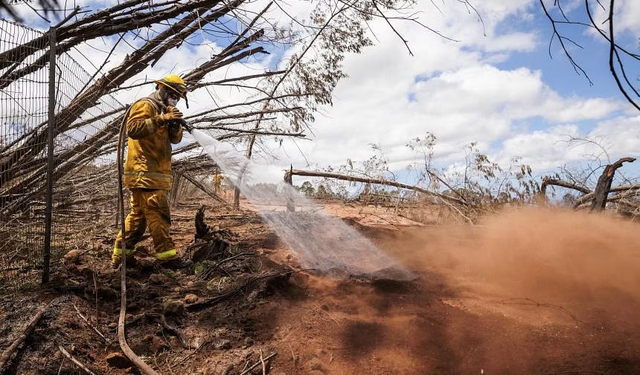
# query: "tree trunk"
x,y
376,181
601,191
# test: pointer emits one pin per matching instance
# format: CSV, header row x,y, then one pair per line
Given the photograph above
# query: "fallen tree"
x,y
380,181
599,196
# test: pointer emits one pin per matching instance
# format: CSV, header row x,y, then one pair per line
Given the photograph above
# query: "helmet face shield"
x,y
172,98
174,84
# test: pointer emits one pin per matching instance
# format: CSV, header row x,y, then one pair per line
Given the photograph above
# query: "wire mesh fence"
x,y
23,111
80,166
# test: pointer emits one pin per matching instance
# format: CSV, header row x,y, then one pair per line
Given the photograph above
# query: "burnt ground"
x,y
530,292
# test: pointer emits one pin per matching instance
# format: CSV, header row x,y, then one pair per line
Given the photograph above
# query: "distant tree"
x,y
324,192
307,189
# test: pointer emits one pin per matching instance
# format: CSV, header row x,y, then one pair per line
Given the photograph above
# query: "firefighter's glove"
x,y
166,118
174,125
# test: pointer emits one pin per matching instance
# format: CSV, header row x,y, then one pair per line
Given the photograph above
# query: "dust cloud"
x,y
573,259
527,291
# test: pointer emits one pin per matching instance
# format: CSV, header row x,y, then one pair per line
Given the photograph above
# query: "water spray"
x,y
320,242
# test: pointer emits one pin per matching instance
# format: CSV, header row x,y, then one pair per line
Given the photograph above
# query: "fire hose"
x,y
122,340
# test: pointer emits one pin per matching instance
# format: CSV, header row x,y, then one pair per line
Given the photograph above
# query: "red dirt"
x,y
529,291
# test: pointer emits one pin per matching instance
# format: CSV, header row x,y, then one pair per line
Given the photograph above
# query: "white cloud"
x,y
477,103
627,15
452,89
543,150
546,150
620,136
518,41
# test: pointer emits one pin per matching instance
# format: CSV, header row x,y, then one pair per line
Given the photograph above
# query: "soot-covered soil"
x,y
525,292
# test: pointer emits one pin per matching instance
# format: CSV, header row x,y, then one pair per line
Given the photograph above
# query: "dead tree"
x,y
547,181
280,103
342,28
601,193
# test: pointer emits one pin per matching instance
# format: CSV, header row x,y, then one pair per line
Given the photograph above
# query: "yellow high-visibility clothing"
x,y
149,208
217,182
147,173
148,163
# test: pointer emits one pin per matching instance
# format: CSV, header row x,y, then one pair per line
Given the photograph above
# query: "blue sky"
x,y
496,86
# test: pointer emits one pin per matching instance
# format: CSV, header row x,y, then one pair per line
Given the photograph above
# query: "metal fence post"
x,y
50,162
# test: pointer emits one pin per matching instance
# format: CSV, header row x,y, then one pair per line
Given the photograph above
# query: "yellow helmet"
x,y
175,83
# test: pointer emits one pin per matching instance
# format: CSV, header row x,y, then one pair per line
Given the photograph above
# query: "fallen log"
x,y
379,181
555,182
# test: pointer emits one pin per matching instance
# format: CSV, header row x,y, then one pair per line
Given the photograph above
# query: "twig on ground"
x,y
192,353
166,362
207,272
60,368
262,360
6,355
329,315
95,289
293,356
135,319
90,326
171,329
264,367
213,300
75,361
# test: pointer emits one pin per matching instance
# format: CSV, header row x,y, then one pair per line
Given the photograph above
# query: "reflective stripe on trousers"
x,y
149,208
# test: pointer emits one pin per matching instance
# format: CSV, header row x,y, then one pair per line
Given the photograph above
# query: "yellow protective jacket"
x,y
148,162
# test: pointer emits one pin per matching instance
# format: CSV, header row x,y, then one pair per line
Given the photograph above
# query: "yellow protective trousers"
x,y
149,208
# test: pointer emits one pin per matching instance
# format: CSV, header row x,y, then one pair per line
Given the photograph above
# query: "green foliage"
x,y
307,189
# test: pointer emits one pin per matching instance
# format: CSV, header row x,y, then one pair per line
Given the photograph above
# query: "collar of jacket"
x,y
156,101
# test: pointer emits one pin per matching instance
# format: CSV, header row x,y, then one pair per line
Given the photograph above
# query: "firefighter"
x,y
217,182
152,126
